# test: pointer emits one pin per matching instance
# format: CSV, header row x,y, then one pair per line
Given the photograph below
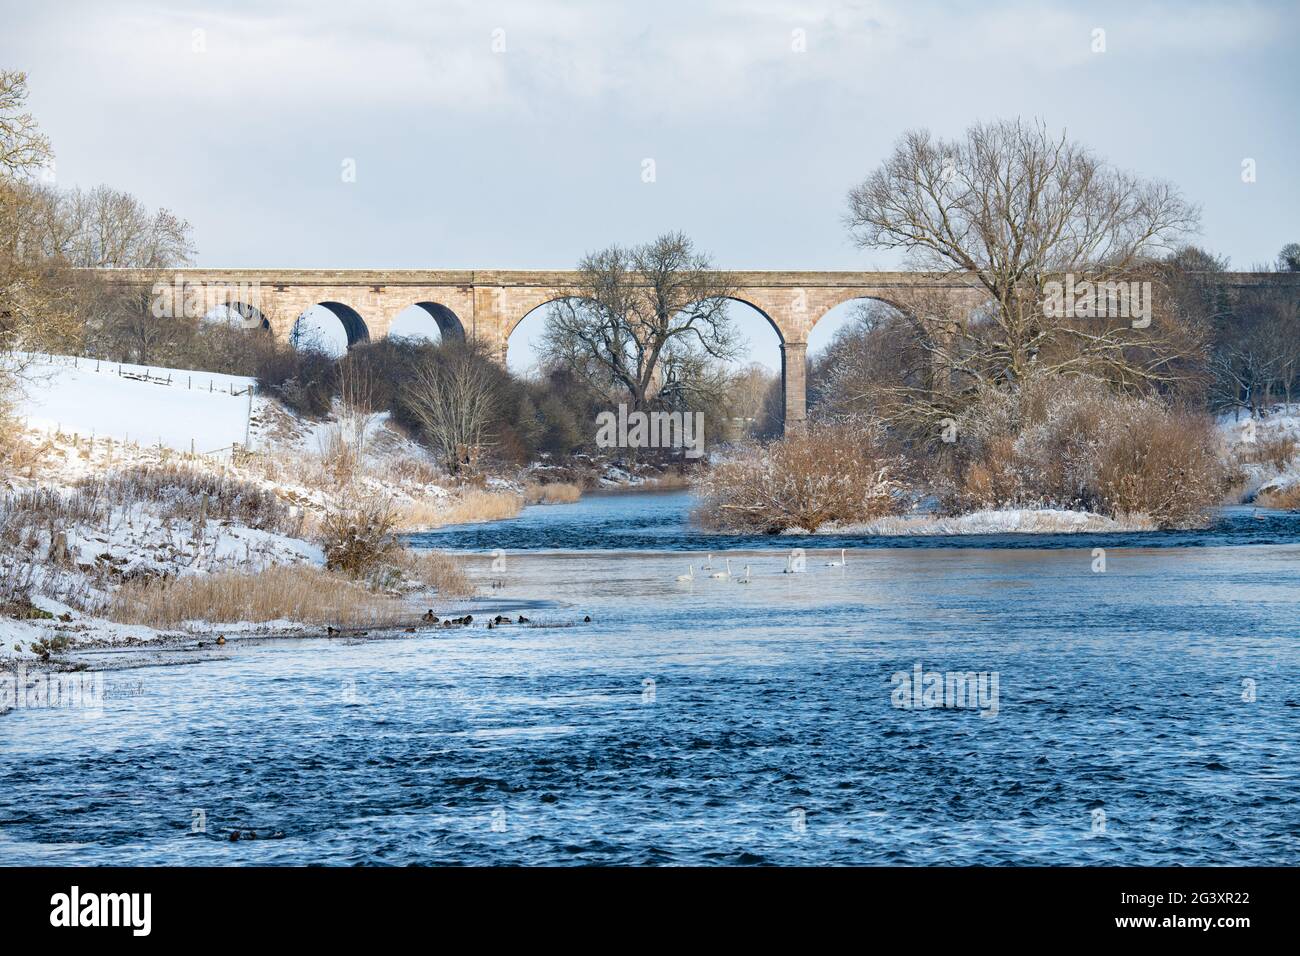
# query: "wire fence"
x,y
141,373
172,379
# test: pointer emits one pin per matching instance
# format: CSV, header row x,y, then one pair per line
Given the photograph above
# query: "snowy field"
x,y
178,408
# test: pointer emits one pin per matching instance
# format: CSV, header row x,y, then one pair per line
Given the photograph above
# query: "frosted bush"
x,y
809,478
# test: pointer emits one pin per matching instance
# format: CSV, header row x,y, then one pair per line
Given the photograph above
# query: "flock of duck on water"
x,y
791,567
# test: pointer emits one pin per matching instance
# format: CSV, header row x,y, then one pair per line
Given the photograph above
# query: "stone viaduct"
x,y
487,306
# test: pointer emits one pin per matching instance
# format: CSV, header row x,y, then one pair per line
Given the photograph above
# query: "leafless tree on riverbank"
x,y
640,315
1012,207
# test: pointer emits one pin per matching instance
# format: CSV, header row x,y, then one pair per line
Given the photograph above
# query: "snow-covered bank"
x,y
1264,453
999,521
180,409
122,475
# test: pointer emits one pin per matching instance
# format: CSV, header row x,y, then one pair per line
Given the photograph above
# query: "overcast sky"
x,y
516,134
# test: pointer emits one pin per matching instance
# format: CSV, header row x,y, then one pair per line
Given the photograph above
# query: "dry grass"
x,y
470,504
670,481
811,477
1275,452
420,514
1284,499
298,593
551,493
436,570
474,504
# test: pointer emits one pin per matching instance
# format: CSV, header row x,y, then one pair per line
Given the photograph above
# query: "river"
x,y
1144,714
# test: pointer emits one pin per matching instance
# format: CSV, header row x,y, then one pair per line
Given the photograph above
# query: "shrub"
x,y
358,540
816,475
303,379
1072,443
195,494
1162,464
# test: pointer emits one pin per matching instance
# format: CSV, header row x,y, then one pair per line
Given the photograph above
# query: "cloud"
x,y
684,58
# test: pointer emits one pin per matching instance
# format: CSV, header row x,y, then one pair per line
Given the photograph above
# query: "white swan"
x,y
790,568
745,579
707,565
689,575
722,575
837,564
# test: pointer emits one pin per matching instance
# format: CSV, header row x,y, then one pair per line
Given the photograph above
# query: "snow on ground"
x,y
178,408
1000,521
142,417
1245,435
20,641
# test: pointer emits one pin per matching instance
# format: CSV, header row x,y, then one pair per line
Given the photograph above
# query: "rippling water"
x,y
717,722
659,522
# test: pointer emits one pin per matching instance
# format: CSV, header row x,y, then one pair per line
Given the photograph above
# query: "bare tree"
x,y
23,147
869,366
109,228
453,395
1257,356
23,273
1288,260
344,443
746,395
1012,207
635,312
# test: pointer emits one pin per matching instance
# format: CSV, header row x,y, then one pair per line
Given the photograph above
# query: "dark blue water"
x,y
661,522
1147,714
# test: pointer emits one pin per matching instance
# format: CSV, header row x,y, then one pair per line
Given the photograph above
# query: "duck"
x,y
722,575
523,620
689,575
837,564
430,617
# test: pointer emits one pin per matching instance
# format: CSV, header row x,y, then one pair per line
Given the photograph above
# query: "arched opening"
x,y
428,320
331,327
755,394
523,345
860,354
746,395
237,315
